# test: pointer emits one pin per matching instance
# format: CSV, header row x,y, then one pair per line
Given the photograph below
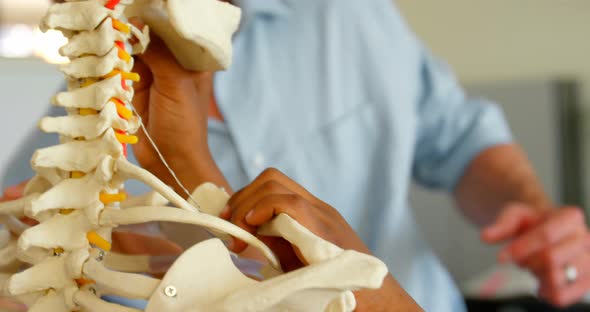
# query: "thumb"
x,y
513,220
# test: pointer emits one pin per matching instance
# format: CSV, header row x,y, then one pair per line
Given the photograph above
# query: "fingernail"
x,y
249,215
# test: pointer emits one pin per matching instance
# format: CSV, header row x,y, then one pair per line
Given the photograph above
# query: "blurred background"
x,y
531,56
539,47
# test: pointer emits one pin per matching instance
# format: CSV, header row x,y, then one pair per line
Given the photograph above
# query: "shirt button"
x,y
258,161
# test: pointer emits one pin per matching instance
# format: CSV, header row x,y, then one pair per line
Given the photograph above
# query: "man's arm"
x,y
273,193
498,176
500,191
173,104
464,146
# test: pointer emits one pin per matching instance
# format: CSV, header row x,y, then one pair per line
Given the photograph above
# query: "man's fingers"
x,y
565,222
272,174
245,204
568,296
267,175
263,182
237,210
241,209
555,288
245,200
554,278
269,207
270,190
510,222
558,255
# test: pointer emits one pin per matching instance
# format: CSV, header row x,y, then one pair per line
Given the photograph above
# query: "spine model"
x,y
64,263
75,180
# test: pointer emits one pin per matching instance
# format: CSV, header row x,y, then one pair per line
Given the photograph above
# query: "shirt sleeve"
x,y
452,128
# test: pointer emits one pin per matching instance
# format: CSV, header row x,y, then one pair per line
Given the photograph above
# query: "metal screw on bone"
x,y
92,290
170,291
101,255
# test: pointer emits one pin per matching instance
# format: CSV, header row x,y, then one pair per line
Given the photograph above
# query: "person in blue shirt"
x,y
342,98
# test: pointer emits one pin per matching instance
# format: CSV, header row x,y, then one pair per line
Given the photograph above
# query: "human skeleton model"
x,y
64,263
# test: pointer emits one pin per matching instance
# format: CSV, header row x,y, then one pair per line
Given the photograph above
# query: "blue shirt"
x,y
342,97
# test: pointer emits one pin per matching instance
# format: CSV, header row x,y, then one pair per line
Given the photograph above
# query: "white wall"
x,y
488,40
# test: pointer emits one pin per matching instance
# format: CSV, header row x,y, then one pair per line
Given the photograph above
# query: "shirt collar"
x,y
272,8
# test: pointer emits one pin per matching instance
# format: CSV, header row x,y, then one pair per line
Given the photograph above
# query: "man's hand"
x,y
543,240
173,104
546,242
131,243
273,193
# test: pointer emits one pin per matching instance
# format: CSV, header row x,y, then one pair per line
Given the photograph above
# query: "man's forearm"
x,y
390,297
498,176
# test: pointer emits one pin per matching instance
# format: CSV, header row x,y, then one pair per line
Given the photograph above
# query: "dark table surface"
x,y
519,304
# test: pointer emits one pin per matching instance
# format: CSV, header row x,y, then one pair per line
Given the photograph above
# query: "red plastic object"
x,y
111,4
121,103
124,85
120,44
123,144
